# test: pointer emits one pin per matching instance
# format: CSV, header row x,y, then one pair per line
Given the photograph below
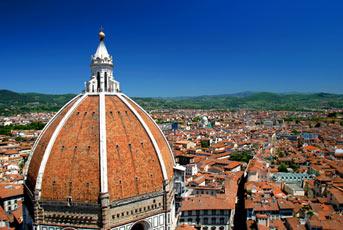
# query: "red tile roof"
x,y
10,190
185,227
73,166
208,202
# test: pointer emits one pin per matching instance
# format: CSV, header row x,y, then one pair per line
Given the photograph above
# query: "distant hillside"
x,y
14,103
249,100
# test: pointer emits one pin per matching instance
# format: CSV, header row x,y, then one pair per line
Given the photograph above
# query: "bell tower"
x,y
102,70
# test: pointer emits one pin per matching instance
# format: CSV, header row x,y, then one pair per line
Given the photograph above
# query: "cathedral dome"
x,y
93,131
99,155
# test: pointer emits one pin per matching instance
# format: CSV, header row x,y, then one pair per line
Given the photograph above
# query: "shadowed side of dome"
x,y
133,165
42,142
73,166
65,161
159,137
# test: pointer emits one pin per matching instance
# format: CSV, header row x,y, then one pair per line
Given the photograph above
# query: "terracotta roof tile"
x,y
73,170
73,165
41,146
133,166
185,227
10,190
161,142
208,202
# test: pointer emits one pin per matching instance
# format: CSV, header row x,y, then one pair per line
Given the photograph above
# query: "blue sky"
x,y
174,48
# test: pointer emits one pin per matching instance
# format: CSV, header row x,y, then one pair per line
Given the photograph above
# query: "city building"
x,y
10,196
208,212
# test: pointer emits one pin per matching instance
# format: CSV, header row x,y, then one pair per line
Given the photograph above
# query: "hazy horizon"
x,y
196,95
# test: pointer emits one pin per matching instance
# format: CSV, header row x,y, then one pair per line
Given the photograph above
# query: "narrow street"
x,y
240,215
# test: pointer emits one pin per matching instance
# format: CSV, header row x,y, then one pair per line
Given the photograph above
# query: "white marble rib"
x,y
157,149
41,134
165,139
103,144
51,144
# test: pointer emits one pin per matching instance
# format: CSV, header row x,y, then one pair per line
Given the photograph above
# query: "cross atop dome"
x,y
101,34
101,51
102,70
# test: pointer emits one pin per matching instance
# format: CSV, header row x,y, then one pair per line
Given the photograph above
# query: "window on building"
x,y
69,201
105,81
98,80
222,221
205,212
205,220
213,220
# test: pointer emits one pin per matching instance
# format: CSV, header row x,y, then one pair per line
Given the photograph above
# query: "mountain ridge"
x,y
13,103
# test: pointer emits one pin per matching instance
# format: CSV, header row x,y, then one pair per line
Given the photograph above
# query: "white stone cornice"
x,y
157,149
105,93
170,150
41,134
103,144
51,144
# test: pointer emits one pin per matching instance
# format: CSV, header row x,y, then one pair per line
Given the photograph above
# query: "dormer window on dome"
x,y
102,79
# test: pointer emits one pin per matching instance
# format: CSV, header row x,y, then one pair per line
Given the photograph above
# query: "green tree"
x,y
281,153
19,139
294,166
6,130
310,213
205,144
313,172
196,119
244,156
282,167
